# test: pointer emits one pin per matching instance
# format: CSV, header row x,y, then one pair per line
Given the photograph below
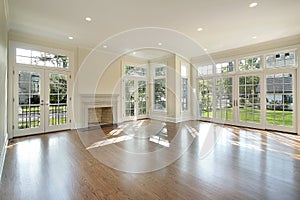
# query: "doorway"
x,y
41,100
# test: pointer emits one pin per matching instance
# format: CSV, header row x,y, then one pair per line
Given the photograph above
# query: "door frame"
x,y
136,115
44,101
49,128
28,131
14,65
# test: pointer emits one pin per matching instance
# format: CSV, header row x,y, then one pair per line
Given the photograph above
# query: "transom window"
x,y
160,71
224,67
31,57
284,59
250,64
205,70
135,71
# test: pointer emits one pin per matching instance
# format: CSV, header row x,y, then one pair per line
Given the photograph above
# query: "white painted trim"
x,y
172,119
3,154
13,66
97,101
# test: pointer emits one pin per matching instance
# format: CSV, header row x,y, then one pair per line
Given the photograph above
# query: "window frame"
x,y
187,77
154,77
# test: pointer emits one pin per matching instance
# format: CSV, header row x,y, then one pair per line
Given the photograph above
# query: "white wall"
x,y
3,81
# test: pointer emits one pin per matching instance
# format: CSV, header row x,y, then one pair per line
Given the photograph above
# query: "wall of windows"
x,y
255,91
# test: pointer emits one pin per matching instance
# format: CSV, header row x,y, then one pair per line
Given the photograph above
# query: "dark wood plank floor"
x,y
244,164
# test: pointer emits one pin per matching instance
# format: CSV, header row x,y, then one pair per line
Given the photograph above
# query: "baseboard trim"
x,y
3,154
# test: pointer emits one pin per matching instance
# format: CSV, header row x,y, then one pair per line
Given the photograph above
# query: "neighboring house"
x,y
279,94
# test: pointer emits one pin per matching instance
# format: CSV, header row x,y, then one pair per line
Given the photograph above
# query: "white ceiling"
x,y
226,24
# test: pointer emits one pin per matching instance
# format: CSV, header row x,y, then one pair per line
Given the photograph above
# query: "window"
x,y
279,99
249,64
30,57
135,71
205,70
224,67
249,99
224,98
160,88
184,87
205,98
285,59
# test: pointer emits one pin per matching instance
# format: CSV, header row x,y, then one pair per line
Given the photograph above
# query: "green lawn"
x,y
53,108
276,117
36,123
36,110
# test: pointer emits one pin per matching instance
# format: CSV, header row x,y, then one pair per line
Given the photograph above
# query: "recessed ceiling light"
x,y
134,53
104,46
70,38
254,37
159,44
204,49
88,19
252,5
199,29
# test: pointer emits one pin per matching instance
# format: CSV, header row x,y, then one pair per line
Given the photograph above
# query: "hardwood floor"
x,y
243,164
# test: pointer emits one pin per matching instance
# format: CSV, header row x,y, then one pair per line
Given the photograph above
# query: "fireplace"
x,y
100,116
99,109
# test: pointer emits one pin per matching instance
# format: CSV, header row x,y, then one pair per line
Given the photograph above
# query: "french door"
x,y
259,100
280,98
225,107
135,99
250,100
41,99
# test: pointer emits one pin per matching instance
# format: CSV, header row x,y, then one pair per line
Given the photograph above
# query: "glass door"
x,y
280,88
135,99
205,98
40,101
56,101
225,111
249,101
142,99
28,100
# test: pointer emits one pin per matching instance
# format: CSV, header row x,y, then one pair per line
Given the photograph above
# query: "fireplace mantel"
x,y
99,101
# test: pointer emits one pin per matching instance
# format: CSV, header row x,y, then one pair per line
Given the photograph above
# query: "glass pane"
x,y
249,99
129,98
160,94
284,59
160,71
205,98
142,98
58,107
249,64
224,67
184,94
29,100
279,99
25,56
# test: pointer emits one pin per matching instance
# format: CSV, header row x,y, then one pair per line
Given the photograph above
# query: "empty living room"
x,y
149,99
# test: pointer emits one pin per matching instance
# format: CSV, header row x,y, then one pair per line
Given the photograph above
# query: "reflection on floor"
x,y
215,162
